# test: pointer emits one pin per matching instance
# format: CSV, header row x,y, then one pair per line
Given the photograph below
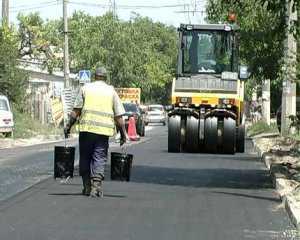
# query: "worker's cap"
x,y
101,72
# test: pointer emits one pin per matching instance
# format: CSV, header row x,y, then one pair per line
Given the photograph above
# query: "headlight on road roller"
x,y
226,101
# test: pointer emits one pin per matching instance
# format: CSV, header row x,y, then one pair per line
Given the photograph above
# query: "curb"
x,y
291,206
293,210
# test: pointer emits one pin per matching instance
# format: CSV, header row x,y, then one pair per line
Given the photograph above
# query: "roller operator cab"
x,y
208,92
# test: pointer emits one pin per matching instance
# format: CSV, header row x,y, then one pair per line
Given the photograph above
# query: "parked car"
x,y
132,109
6,117
156,114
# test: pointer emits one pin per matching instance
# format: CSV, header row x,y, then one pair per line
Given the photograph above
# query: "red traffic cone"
x,y
131,132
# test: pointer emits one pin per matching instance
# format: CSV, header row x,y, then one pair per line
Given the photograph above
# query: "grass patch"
x,y
261,127
26,127
295,136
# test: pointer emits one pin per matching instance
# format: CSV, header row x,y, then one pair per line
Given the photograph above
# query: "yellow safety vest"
x,y
97,114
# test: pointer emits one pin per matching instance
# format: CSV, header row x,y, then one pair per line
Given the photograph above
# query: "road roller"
x,y
208,91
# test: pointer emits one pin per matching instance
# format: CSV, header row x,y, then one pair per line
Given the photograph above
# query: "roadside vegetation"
x,y
261,127
25,127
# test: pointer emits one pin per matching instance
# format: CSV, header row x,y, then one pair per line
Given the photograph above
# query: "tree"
x,y
262,35
137,53
13,80
40,40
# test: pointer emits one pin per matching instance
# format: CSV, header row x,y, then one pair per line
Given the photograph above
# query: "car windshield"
x,y
156,108
129,107
3,105
207,52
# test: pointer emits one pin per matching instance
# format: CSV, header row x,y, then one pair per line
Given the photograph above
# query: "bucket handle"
x,y
65,180
65,141
124,149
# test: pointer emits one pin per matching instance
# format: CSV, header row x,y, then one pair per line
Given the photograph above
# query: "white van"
x,y
6,117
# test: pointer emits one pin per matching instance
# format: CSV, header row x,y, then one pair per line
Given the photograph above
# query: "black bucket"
x,y
121,164
64,161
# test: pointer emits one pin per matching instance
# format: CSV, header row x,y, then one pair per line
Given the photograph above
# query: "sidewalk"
x,y
286,187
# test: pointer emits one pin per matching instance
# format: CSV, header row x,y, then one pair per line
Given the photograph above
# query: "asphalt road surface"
x,y
170,196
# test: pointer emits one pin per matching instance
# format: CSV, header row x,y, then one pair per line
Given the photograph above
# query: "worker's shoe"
x,y
97,188
87,185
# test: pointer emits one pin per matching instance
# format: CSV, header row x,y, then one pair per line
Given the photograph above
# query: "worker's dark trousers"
x,y
93,154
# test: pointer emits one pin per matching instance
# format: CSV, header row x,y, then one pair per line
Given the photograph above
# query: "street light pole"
x,y
66,46
289,86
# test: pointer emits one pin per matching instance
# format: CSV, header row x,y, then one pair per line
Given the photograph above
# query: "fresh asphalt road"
x,y
170,196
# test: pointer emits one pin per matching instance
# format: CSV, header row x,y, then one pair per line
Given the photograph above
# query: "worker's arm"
x,y
72,120
119,111
76,112
121,127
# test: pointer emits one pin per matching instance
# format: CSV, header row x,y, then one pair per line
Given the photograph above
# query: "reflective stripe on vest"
x,y
97,115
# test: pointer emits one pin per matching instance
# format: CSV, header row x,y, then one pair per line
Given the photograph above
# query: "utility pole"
x,y
289,86
66,46
5,12
114,9
266,97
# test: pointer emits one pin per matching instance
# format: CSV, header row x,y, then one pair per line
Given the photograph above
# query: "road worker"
x,y
98,109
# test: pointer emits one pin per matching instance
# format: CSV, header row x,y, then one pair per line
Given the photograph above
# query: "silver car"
x,y
155,114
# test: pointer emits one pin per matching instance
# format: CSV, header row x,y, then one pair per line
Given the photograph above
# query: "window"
x,y
129,107
3,105
207,52
156,108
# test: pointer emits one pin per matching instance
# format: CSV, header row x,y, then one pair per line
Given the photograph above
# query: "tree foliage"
x,y
12,79
40,40
137,53
262,25
263,31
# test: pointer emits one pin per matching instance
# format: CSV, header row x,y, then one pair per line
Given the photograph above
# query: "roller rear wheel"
x,y
192,139
229,136
240,140
211,134
174,134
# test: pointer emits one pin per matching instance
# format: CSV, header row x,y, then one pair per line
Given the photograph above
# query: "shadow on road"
x,y
206,178
65,194
235,157
277,200
79,194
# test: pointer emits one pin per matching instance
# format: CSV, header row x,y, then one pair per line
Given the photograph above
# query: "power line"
x,y
34,4
127,6
34,8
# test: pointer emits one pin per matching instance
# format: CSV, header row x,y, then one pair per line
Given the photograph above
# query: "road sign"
x,y
84,76
129,95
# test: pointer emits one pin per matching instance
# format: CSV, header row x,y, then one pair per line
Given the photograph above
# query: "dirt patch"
x,y
20,142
